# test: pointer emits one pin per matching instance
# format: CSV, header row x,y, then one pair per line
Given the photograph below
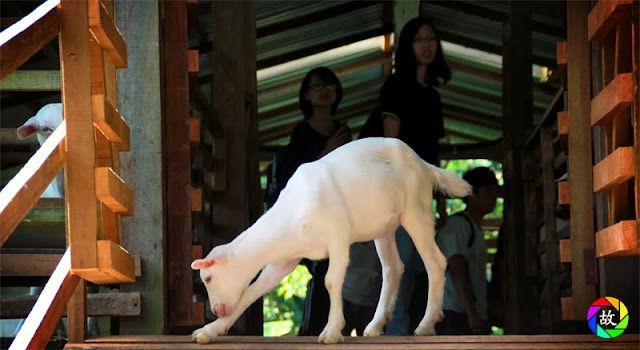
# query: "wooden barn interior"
x,y
172,109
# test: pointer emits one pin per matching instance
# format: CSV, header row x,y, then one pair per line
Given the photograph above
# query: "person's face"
x,y
425,45
319,93
486,198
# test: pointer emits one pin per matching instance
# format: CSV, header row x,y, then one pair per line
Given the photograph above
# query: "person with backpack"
x,y
462,242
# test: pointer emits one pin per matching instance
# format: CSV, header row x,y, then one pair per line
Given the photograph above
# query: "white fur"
x,y
361,191
43,124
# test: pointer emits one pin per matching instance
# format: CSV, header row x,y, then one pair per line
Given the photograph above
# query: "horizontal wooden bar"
x,y
115,265
24,190
615,98
616,168
38,264
113,191
32,80
98,304
27,36
196,199
564,193
108,36
564,245
605,15
194,130
108,120
46,313
620,239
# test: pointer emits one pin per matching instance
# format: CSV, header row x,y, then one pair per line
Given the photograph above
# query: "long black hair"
x,y
406,61
328,77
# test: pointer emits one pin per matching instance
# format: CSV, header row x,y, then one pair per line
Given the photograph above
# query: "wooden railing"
x,y
86,144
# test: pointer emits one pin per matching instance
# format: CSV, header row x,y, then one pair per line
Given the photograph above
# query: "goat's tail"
x,y
448,182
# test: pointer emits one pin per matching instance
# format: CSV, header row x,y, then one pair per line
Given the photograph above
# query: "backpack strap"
x,y
472,237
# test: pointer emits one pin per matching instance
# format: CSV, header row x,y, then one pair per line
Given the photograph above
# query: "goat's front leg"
x,y
268,279
338,261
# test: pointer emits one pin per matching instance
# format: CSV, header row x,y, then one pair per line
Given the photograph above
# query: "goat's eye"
x,y
207,279
46,129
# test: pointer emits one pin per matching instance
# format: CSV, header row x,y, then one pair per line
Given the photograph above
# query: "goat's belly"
x,y
366,228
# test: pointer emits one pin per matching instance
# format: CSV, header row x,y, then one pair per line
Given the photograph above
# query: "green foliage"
x,y
286,301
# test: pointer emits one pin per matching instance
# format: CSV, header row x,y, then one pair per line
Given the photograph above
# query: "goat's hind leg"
x,y
392,269
420,226
338,261
268,279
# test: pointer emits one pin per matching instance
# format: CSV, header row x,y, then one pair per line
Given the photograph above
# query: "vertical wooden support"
x,y
582,233
517,97
178,167
235,95
75,67
77,314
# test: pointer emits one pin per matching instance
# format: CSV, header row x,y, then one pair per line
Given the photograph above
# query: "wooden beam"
x,y
615,169
24,190
39,325
109,121
31,80
579,85
38,264
113,191
194,130
617,240
26,37
196,199
605,15
104,30
564,193
116,262
613,100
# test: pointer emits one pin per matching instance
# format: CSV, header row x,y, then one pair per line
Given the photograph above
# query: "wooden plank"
x,y
24,190
38,265
565,250
563,130
75,64
564,193
193,67
31,80
113,191
613,100
77,314
194,130
605,15
39,325
110,224
196,199
109,121
104,30
615,169
115,262
561,61
178,165
580,168
27,36
620,239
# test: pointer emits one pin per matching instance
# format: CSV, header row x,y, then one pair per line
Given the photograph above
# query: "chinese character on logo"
x,y
607,319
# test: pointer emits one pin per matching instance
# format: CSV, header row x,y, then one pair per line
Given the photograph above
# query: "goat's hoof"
x,y
372,330
200,336
425,331
331,338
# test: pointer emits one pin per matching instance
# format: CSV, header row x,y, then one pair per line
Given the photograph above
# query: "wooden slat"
x,y
39,325
563,129
196,199
194,130
38,265
613,100
561,61
104,30
109,121
565,250
31,80
564,193
77,313
24,190
193,68
98,304
605,15
115,262
26,37
615,169
113,191
620,239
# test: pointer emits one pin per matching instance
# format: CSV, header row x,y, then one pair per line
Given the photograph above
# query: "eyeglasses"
x,y
421,40
319,86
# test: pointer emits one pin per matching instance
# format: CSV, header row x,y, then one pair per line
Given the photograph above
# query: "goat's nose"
x,y
213,310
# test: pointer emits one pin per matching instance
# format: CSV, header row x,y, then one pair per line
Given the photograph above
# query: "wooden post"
x,y
139,98
580,167
517,106
234,94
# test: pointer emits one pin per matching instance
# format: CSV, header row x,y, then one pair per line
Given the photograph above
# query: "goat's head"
x,y
43,123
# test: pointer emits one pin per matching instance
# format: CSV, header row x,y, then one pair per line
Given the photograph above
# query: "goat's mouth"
x,y
221,310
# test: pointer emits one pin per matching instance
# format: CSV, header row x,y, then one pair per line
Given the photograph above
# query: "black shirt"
x,y
420,112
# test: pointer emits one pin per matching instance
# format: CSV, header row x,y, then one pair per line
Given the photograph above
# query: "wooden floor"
x,y
564,342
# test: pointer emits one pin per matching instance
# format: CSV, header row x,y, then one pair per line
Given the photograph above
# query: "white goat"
x,y
43,124
361,191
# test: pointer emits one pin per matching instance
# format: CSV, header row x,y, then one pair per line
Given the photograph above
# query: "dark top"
x,y
420,112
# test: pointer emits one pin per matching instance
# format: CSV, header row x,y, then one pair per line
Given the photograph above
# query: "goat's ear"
x,y
27,129
202,263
